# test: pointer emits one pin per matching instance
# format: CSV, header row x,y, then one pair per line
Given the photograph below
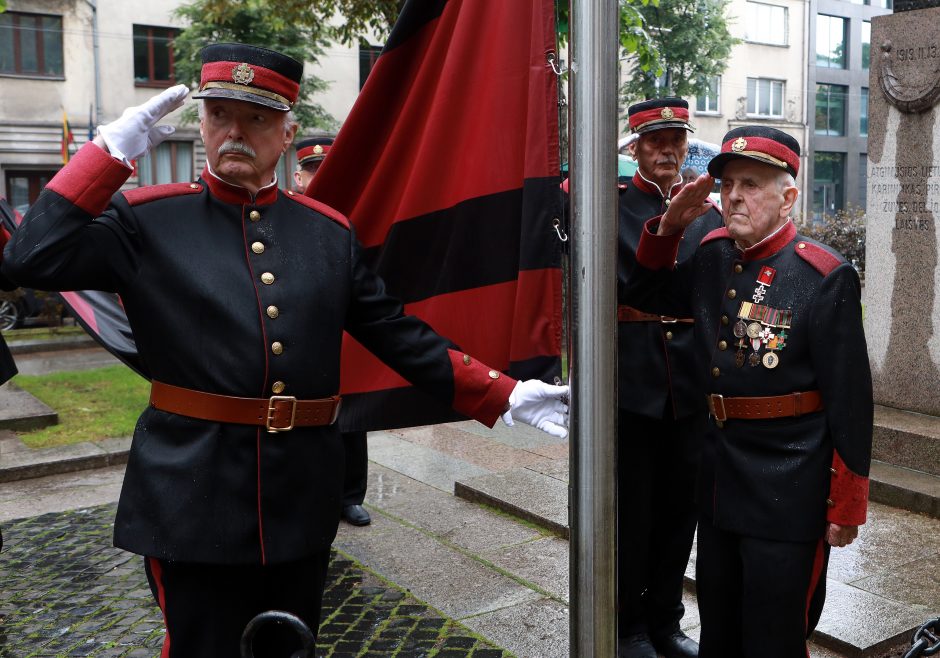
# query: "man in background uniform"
x,y
310,155
778,329
661,408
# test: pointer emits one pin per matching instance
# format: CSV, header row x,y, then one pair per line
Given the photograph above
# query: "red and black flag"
x,y
448,168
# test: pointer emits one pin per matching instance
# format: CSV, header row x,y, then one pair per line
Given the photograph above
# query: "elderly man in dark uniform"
x,y
238,294
662,410
778,329
310,155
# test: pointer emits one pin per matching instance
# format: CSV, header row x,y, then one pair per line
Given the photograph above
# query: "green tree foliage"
x,y
298,28
691,42
844,231
636,42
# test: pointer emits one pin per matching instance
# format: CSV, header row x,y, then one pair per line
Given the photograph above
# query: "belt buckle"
x,y
713,399
273,429
665,319
336,406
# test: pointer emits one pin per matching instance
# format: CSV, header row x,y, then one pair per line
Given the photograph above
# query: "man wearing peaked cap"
x,y
785,461
661,409
234,481
310,155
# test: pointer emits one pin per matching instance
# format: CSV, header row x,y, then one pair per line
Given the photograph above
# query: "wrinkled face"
x,y
660,153
244,140
753,201
304,175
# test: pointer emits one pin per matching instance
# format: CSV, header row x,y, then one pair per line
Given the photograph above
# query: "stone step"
x,y
877,594
904,488
22,412
907,439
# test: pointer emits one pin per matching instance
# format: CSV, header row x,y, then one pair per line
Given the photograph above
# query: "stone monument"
x,y
902,273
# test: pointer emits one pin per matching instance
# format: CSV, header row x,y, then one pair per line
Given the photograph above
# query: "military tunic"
x,y
238,295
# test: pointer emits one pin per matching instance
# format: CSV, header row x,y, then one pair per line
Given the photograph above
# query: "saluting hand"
x,y
841,535
687,206
135,132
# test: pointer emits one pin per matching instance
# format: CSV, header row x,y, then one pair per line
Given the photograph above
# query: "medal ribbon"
x,y
766,315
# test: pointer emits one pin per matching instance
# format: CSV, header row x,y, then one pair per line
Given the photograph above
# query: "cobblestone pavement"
x,y
67,592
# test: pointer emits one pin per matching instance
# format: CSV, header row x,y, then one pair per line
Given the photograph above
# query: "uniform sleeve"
x,y
417,353
840,360
71,238
656,284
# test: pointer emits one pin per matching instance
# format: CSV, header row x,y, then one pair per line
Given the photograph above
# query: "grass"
x,y
92,404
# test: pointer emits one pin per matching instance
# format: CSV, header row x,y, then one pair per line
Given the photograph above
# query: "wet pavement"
x,y
68,592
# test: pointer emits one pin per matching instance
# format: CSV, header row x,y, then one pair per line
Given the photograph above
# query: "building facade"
x,y
84,61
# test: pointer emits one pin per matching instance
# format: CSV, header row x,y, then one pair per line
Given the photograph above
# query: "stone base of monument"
x,y
906,470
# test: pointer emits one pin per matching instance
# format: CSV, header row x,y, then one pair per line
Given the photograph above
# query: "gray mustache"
x,y
237,147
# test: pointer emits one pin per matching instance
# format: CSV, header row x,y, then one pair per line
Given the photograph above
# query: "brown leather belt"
x,y
775,406
630,314
278,413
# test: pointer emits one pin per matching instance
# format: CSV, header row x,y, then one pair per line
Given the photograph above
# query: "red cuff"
x,y
657,252
4,238
848,495
480,392
90,178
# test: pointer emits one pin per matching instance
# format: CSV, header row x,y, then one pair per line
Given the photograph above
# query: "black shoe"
x,y
636,646
676,645
356,515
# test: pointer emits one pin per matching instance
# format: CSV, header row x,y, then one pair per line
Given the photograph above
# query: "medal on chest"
x,y
761,327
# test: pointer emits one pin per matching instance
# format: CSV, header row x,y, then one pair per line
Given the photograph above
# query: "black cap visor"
x,y
660,125
239,95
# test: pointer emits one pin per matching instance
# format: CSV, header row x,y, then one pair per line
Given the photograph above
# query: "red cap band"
x,y
659,114
745,145
312,152
261,78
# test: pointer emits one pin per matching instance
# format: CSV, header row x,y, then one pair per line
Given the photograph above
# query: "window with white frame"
x,y
169,162
766,24
708,103
765,97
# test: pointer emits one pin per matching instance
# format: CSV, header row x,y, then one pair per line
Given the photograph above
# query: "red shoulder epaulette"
x,y
717,234
321,208
823,261
150,193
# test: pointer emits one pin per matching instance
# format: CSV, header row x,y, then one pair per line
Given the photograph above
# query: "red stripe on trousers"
x,y
814,580
156,570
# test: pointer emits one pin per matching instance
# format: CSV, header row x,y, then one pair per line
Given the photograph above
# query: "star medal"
x,y
764,279
754,359
770,360
739,355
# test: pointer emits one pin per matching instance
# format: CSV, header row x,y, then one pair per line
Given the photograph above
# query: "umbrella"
x,y
700,153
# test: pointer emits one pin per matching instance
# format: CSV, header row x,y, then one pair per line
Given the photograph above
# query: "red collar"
x,y
772,243
230,193
648,186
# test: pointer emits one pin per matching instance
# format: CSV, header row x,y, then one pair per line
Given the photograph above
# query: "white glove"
x,y
540,405
136,132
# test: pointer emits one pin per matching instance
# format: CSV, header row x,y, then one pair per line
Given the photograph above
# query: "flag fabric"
x,y
91,122
67,138
448,169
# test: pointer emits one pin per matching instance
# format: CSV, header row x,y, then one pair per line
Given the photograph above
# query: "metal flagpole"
x,y
593,311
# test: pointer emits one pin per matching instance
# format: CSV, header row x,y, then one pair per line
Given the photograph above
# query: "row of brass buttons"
x,y
268,278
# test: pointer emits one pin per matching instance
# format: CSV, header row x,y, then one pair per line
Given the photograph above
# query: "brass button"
x,y
494,374
290,193
832,470
273,312
257,247
830,503
668,335
722,345
732,293
193,186
802,245
716,372
738,269
277,347
267,278
725,320
466,360
254,215
667,202
278,387
720,423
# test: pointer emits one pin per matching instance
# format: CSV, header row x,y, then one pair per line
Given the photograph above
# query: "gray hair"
x,y
289,118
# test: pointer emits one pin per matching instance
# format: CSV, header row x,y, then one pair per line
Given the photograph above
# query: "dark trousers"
x,y
357,468
757,597
206,606
656,466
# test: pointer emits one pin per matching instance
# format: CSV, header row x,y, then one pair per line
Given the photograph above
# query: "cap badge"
x,y
318,149
667,113
739,144
243,74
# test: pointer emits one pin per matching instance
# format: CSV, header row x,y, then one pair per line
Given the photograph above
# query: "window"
x,y
866,44
830,109
830,42
23,187
863,113
764,97
368,56
153,56
766,24
708,103
170,162
828,183
31,44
